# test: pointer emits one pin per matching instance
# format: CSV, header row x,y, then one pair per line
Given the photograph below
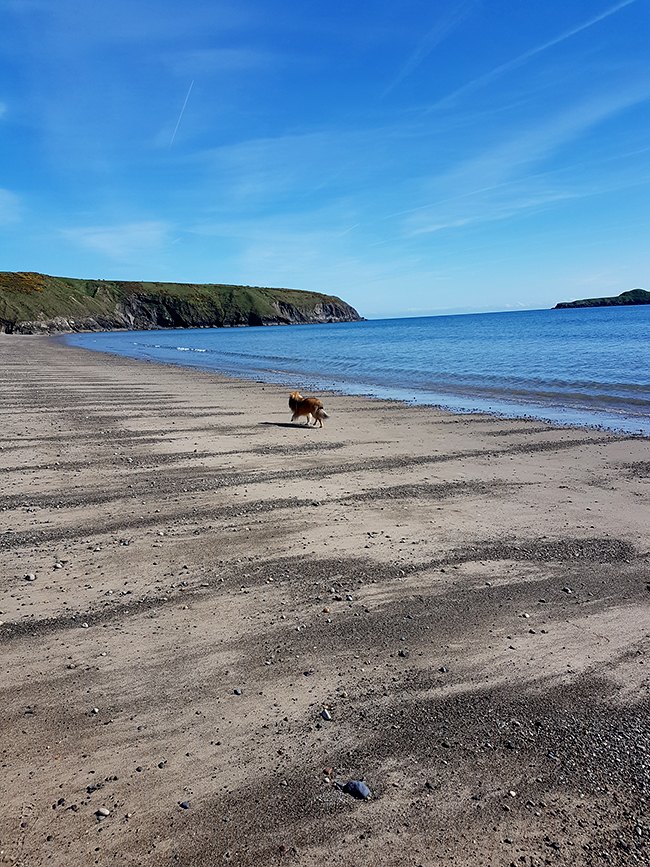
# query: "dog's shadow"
x,y
286,424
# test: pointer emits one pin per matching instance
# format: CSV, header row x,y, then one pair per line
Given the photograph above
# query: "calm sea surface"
x,y
586,366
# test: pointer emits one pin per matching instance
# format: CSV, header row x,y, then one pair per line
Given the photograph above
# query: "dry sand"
x,y
468,597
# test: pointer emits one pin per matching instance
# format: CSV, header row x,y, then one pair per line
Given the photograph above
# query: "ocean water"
x,y
587,366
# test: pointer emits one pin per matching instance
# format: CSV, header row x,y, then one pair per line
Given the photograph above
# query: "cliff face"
x,y
625,299
37,304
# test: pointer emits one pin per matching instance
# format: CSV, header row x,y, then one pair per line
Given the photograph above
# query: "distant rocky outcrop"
x,y
32,303
634,296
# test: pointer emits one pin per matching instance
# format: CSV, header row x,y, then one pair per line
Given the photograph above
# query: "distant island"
x,y
634,296
32,303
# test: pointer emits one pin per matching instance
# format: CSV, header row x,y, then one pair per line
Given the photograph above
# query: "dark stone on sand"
x,y
357,789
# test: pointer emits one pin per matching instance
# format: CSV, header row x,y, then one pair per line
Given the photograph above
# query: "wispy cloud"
x,y
504,180
209,61
122,242
455,15
543,138
504,68
10,207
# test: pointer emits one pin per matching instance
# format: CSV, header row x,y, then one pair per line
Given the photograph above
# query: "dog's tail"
x,y
320,413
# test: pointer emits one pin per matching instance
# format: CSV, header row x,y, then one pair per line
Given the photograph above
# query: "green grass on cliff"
x,y
625,299
28,296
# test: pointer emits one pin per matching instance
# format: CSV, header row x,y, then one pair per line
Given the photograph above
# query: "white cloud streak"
x,y
458,12
504,68
10,207
122,242
181,114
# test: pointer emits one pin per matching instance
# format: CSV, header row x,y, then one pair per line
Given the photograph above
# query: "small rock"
x,y
326,714
238,692
442,669
357,789
84,626
30,577
95,710
185,805
103,811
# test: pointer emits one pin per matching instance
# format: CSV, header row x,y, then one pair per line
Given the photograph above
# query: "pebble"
x,y
95,710
238,692
58,565
84,626
30,577
326,714
185,805
357,789
103,811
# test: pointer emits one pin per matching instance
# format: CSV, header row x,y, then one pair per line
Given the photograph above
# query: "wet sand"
x,y
467,597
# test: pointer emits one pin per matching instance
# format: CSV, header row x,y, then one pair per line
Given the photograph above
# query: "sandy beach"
x,y
214,619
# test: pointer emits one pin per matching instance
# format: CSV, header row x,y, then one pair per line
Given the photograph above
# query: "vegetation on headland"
x,y
32,303
634,296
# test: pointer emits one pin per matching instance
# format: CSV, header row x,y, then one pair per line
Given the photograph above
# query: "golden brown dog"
x,y
307,406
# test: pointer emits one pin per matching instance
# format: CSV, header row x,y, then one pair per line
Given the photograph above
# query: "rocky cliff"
x,y
32,303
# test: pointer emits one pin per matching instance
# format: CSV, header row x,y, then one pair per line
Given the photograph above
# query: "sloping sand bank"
x,y
467,598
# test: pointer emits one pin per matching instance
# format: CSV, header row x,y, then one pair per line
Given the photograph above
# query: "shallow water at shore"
x,y
584,366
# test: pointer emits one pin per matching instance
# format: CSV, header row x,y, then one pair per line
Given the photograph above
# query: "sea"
x,y
584,366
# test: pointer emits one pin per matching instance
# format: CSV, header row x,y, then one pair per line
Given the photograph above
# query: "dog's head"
x,y
295,395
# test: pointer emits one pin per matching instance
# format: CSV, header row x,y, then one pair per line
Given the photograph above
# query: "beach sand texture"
x,y
467,597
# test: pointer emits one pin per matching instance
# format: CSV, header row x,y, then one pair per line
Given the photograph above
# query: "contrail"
x,y
434,37
519,61
181,114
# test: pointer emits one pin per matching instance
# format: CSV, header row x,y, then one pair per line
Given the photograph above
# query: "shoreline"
x,y
465,595
509,409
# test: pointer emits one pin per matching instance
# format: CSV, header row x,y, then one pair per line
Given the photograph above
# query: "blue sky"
x,y
412,157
